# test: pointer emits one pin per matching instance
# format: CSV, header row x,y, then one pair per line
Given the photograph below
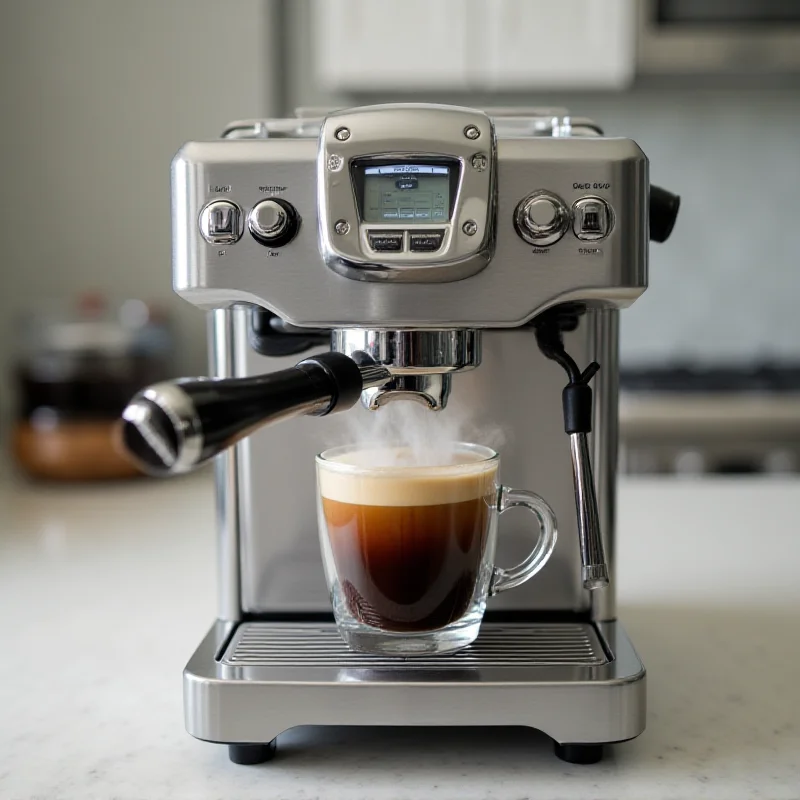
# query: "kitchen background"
x,y
97,95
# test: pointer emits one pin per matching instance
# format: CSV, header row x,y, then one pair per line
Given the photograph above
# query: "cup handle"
x,y
503,579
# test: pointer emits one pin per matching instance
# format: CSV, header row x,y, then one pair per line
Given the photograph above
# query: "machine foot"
x,y
250,754
579,753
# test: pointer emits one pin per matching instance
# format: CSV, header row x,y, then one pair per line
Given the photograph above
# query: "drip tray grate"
x,y
270,644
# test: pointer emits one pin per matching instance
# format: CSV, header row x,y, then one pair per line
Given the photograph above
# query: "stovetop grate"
x,y
263,644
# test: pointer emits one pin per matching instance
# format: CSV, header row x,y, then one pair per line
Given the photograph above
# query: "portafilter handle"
x,y
173,427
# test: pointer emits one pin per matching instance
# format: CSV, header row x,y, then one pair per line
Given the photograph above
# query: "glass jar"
x,y
78,365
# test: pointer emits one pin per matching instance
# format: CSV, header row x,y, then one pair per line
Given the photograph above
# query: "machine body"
x,y
432,246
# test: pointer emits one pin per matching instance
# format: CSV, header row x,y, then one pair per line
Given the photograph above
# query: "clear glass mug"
x,y
409,550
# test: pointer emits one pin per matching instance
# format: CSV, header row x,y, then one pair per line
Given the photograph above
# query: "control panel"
x,y
407,194
400,204
408,216
541,218
273,223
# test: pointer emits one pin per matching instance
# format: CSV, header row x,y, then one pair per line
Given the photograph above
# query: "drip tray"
x,y
577,682
309,646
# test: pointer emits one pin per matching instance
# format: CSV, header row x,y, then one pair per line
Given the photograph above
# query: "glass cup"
x,y
409,550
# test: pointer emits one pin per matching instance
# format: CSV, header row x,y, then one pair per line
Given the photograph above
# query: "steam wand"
x,y
577,405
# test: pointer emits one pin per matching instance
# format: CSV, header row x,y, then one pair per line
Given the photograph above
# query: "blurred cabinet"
x,y
380,44
565,44
363,45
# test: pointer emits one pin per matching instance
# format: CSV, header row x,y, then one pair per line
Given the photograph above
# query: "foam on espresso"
x,y
388,477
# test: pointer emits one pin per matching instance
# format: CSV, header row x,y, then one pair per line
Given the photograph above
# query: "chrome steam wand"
x,y
577,405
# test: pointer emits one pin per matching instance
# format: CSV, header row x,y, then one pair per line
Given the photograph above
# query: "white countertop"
x,y
105,593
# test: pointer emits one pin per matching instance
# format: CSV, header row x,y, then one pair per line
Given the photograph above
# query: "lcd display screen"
x,y
407,194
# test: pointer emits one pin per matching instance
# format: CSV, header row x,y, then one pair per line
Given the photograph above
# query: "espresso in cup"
x,y
408,545
408,541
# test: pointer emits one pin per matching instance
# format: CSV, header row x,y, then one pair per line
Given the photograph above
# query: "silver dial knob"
x,y
542,218
273,222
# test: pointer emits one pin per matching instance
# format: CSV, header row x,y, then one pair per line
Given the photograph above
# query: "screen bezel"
x,y
358,176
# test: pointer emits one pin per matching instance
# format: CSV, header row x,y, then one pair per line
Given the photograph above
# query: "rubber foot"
x,y
579,753
250,754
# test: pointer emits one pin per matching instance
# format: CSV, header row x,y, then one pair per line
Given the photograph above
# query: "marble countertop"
x,y
105,592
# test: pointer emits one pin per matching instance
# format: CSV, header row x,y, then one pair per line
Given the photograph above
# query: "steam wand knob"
x,y
664,208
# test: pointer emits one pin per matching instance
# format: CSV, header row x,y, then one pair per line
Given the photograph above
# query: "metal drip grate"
x,y
261,644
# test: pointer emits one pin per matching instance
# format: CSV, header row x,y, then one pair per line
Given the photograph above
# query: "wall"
x,y
96,96
726,286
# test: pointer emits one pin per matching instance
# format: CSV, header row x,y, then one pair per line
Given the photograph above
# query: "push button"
x,y
426,242
385,241
591,219
221,222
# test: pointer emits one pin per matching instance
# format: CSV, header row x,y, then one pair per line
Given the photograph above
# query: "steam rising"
x,y
405,433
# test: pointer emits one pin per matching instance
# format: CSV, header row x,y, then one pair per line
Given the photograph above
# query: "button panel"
x,y
591,219
401,241
221,222
542,218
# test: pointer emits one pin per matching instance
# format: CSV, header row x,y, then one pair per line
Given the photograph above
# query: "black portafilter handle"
x,y
172,427
664,208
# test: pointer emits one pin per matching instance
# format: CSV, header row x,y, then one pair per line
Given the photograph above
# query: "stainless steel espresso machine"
x,y
470,261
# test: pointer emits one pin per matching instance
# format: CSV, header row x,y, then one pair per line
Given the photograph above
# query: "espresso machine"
x,y
473,262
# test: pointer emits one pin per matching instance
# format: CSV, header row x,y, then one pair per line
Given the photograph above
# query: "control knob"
x,y
273,222
541,218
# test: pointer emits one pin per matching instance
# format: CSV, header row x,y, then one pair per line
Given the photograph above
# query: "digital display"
x,y
407,194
